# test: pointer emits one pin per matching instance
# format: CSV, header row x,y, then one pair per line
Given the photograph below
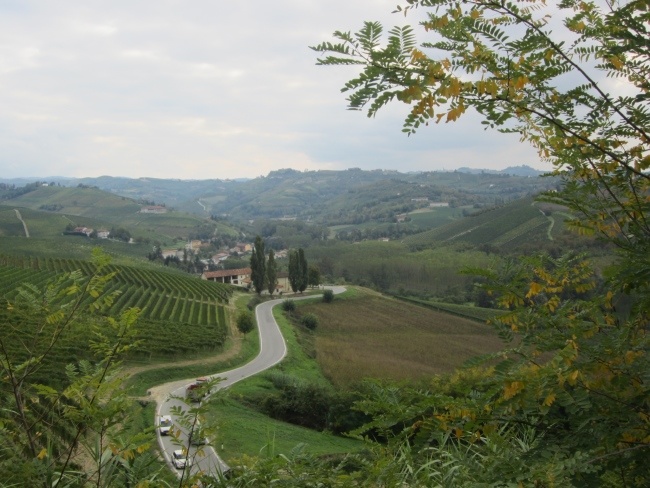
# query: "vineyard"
x,y
498,227
180,314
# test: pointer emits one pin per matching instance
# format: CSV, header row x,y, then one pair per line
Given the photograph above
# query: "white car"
x,y
165,424
180,459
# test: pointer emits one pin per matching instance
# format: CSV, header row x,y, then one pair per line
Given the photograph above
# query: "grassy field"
x,y
243,431
468,311
378,337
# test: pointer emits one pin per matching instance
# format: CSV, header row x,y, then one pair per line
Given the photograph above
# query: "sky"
x,y
200,89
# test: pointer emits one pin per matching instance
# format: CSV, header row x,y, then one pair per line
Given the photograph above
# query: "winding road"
x,y
272,350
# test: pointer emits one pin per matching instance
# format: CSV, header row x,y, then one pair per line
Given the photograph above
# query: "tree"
x,y
271,273
245,322
258,265
313,276
294,270
303,275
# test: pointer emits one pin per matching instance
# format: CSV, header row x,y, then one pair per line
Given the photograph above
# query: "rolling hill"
x,y
324,197
50,208
512,225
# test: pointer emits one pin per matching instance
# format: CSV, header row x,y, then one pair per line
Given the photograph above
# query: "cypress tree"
x,y
258,265
304,271
271,273
294,271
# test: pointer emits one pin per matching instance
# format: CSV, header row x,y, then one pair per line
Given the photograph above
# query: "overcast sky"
x,y
201,89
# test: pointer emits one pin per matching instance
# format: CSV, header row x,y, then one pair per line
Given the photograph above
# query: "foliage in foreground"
x,y
46,432
83,430
567,403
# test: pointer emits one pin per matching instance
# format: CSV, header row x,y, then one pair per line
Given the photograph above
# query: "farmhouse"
x,y
153,209
237,277
172,253
220,256
242,247
80,231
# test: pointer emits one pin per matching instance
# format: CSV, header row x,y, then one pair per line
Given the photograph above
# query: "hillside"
x,y
521,223
97,209
325,197
181,315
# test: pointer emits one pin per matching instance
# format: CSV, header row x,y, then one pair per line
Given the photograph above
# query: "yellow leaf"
x,y
42,454
416,55
535,288
549,400
616,62
512,388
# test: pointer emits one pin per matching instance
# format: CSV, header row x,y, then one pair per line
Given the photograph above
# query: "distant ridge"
x,y
522,170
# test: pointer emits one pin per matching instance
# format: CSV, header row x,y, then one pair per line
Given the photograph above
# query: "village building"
x,y
82,231
171,253
220,256
194,245
238,277
241,248
157,209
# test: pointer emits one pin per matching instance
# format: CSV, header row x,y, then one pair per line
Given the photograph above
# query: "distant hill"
x,y
522,170
326,197
53,207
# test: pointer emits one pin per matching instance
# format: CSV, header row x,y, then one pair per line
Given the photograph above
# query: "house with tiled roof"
x,y
237,277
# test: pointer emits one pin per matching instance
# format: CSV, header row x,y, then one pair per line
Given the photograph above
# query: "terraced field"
x,y
180,314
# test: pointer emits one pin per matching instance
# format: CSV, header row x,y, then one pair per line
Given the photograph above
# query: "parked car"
x,y
197,390
180,459
165,424
199,438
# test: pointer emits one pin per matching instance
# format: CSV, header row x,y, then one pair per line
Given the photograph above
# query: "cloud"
x,y
201,89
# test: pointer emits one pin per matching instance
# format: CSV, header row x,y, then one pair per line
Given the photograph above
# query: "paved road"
x,y
272,351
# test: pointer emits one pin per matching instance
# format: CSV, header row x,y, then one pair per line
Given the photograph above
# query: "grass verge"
x,y
243,431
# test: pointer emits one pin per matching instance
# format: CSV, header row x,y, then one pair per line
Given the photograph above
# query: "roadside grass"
x,y
379,337
139,383
243,431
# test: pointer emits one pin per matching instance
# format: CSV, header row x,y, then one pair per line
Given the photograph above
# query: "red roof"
x,y
227,272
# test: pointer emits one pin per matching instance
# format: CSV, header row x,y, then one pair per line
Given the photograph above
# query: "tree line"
x,y
264,271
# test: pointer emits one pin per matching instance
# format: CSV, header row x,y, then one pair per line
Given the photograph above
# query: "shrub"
x,y
328,296
245,322
310,321
288,305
